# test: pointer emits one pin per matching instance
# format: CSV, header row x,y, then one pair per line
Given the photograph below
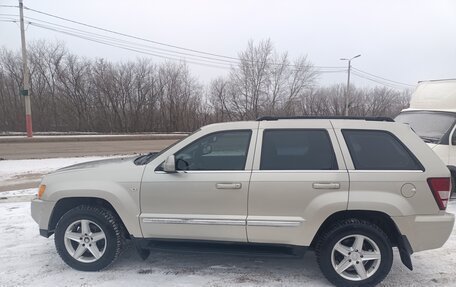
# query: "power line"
x,y
211,61
404,84
129,44
109,40
10,15
140,50
130,36
122,46
332,72
167,52
376,81
160,43
386,84
125,42
9,18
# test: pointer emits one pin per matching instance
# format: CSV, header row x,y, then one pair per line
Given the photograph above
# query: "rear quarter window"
x,y
379,150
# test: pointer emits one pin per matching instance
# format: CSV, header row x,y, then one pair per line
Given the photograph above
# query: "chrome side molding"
x,y
235,222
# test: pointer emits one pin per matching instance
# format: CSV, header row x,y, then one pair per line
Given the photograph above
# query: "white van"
x,y
432,115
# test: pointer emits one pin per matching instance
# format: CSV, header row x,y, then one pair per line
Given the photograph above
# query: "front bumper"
x,y
41,211
426,231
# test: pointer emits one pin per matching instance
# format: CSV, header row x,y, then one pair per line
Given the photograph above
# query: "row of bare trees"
x,y
70,93
265,83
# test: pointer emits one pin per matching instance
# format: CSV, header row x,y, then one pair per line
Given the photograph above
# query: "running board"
x,y
222,248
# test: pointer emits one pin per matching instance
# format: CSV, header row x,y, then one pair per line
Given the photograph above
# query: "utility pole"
x,y
347,91
26,75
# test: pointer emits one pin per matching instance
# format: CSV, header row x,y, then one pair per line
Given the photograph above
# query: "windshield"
x,y
430,126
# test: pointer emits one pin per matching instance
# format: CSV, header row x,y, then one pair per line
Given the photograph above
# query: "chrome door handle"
x,y
326,185
228,185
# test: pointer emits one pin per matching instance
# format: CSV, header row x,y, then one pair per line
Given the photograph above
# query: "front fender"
x,y
124,197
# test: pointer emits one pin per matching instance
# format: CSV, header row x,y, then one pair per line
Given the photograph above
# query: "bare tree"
x,y
264,82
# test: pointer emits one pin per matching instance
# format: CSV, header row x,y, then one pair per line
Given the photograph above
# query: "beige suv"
x,y
351,189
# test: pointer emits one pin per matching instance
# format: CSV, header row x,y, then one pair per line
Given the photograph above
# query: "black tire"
x,y
344,229
106,221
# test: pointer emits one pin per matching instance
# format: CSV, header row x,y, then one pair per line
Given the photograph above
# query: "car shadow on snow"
x,y
231,264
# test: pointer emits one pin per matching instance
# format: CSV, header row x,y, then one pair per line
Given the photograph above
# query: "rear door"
x,y
298,179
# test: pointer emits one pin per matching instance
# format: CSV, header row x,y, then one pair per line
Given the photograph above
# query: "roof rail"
x,y
274,118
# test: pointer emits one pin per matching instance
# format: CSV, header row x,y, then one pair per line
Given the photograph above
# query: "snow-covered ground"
x,y
18,195
26,259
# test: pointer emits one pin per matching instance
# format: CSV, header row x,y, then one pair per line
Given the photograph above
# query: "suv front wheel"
x,y
354,253
88,238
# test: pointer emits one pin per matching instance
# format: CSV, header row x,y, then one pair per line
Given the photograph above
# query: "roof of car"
x,y
275,118
340,121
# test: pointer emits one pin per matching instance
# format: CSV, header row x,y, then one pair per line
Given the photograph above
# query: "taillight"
x,y
441,188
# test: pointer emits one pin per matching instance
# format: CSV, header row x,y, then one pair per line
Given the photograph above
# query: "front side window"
x,y
297,149
378,150
217,151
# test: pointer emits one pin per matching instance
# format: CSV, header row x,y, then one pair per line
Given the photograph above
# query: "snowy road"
x,y
26,259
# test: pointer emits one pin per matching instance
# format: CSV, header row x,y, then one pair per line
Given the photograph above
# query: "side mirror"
x,y
170,164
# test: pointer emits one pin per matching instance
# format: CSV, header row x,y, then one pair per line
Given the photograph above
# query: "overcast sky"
x,y
405,41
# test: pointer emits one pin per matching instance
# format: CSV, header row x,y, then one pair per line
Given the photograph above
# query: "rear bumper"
x,y
426,231
41,212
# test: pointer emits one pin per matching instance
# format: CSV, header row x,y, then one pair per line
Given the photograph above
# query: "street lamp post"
x,y
347,91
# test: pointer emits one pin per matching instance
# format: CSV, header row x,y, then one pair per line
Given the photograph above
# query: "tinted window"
x,y
378,150
217,151
297,150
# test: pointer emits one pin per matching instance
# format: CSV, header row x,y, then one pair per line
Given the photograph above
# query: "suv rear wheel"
x,y
354,253
88,238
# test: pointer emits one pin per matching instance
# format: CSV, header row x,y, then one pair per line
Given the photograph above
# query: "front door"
x,y
206,199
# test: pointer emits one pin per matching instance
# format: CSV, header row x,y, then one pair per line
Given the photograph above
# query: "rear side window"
x,y
297,149
379,150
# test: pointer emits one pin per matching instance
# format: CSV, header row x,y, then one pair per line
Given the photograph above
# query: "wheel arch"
x,y
63,205
381,219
